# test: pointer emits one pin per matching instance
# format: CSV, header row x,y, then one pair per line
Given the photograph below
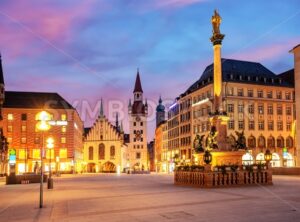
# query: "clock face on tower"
x,y
138,119
138,135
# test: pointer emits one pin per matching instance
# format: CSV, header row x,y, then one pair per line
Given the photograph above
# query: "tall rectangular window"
x,y
10,116
63,117
23,140
231,124
138,155
279,125
279,109
36,153
288,110
260,108
63,139
288,95
241,108
270,109
251,125
251,108
261,125
260,94
270,125
23,128
23,116
240,92
230,108
9,129
288,126
241,124
279,95
250,93
269,94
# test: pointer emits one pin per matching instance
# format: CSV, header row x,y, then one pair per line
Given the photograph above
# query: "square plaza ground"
x,y
110,197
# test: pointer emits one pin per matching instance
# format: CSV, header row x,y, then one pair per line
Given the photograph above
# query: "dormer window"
x,y
272,80
231,76
280,81
256,78
241,77
249,78
265,79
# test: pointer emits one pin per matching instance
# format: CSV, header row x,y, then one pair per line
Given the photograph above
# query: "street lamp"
x,y
50,146
207,157
268,157
43,126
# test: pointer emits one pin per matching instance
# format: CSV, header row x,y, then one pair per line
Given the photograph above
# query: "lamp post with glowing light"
x,y
50,146
268,157
43,126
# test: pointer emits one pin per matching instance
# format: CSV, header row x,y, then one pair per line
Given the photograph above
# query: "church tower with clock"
x,y
138,112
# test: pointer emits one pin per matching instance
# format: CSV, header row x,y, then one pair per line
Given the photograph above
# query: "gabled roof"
x,y
138,85
35,100
240,72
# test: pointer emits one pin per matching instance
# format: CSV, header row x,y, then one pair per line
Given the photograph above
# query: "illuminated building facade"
x,y
104,146
20,111
138,113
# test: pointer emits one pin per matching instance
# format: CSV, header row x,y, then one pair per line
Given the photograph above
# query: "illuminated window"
x,y
50,153
23,140
36,154
9,129
63,117
63,154
63,140
10,116
288,126
112,152
22,154
9,139
261,108
101,151
23,128
288,95
63,129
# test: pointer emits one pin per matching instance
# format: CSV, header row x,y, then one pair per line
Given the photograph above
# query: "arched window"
x,y
280,142
91,153
251,142
112,152
247,159
275,160
271,142
289,160
260,158
101,151
261,142
289,142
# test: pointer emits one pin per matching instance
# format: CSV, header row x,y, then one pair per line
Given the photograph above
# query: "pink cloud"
x,y
268,52
31,23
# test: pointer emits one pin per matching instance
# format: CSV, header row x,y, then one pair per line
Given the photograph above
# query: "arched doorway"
x,y
109,167
260,158
275,160
247,159
91,167
289,160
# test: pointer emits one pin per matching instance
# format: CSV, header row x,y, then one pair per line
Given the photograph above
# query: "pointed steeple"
x,y
1,72
138,85
146,103
101,109
160,100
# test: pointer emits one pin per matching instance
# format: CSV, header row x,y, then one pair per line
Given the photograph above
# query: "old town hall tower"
x,y
138,112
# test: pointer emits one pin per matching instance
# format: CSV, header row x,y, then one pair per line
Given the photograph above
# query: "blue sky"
x,y
90,49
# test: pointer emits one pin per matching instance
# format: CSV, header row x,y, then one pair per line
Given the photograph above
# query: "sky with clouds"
x,y
85,50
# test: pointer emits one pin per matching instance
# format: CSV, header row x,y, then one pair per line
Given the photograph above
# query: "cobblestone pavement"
x,y
110,197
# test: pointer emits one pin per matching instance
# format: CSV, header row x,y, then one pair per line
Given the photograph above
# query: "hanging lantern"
x,y
207,157
268,156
